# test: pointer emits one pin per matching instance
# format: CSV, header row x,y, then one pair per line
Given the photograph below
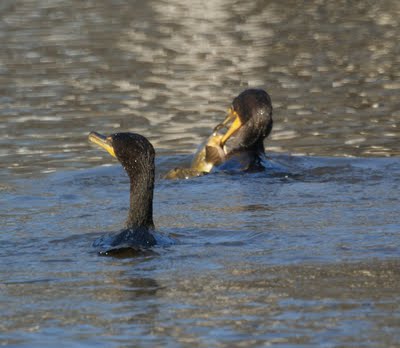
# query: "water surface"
x,y
304,254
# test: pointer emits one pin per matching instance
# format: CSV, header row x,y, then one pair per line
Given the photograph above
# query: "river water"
x,y
304,254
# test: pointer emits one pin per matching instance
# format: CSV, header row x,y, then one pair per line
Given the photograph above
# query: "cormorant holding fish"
x,y
136,154
242,146
251,113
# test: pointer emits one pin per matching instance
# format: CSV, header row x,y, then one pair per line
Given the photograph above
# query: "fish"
x,y
209,154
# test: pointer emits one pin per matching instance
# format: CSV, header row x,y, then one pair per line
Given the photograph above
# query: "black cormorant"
x,y
251,117
241,147
136,154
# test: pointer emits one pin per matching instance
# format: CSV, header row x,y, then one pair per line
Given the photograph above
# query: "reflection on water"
x,y
170,70
304,254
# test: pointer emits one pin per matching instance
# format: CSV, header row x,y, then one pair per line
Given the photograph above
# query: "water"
x,y
305,254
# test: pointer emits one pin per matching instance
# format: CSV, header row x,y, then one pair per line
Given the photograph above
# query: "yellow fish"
x,y
209,154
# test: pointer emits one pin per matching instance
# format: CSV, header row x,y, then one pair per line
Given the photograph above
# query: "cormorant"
x,y
249,122
251,117
136,154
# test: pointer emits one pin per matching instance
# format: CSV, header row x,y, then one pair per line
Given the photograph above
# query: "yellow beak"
x,y
236,124
102,141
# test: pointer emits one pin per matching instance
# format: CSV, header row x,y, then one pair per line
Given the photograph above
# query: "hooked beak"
x,y
102,141
235,126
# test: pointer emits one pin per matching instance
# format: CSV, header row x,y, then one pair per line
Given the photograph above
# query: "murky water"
x,y
305,254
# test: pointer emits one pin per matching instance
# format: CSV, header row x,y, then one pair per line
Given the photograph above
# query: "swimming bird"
x,y
249,122
250,119
136,155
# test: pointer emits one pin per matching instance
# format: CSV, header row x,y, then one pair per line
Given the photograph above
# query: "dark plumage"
x,y
136,154
241,147
251,113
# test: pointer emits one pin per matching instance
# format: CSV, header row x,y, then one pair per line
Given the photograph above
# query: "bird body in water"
x,y
241,147
136,155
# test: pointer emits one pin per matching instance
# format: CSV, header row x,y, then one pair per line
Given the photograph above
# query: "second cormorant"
x,y
241,147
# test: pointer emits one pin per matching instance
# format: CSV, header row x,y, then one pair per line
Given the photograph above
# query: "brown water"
x,y
305,254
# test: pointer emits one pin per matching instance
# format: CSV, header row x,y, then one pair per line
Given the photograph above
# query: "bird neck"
x,y
246,158
257,148
141,202
260,148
